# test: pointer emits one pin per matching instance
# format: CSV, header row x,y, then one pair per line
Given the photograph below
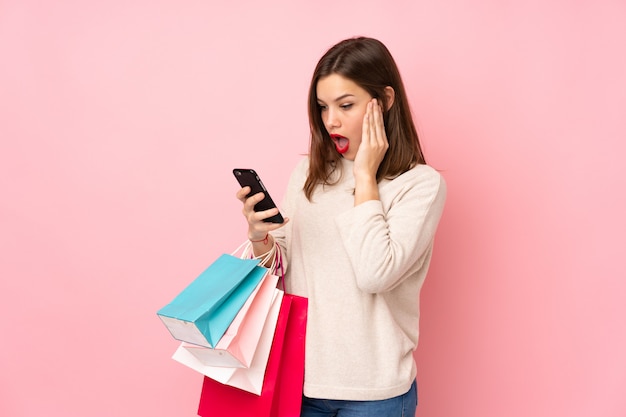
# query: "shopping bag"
x,y
248,379
238,345
203,311
287,399
281,395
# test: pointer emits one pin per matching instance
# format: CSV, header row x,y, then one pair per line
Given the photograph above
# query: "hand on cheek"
x,y
374,142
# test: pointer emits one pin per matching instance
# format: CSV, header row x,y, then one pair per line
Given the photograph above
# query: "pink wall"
x,y
120,122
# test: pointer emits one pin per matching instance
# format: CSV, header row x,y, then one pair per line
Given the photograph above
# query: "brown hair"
x,y
369,64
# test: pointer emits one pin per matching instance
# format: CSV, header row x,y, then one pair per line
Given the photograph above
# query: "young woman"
x,y
362,210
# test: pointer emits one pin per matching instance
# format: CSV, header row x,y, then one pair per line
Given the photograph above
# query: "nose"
x,y
331,121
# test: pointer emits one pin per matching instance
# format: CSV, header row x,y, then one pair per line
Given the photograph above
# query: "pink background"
x,y
120,122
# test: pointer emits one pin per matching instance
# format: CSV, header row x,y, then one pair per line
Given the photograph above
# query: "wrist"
x,y
365,177
264,239
365,190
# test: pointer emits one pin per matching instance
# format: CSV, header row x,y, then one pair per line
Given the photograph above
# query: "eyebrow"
x,y
338,98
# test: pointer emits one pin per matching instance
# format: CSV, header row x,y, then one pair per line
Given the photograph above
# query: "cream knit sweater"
x,y
362,269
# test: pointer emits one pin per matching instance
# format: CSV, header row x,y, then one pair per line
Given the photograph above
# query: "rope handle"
x,y
274,255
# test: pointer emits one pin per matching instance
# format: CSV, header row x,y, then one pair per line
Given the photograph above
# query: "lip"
x,y
341,143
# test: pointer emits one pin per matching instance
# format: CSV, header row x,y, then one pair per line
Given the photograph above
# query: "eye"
x,y
321,107
346,106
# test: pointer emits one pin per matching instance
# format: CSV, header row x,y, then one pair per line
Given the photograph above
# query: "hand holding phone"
x,y
249,178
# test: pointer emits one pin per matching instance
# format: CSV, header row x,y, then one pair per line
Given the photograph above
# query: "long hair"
x,y
369,64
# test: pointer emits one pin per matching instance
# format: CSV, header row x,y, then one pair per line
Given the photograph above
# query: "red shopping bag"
x,y
281,395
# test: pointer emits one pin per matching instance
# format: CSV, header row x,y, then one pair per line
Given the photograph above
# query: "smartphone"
x,y
249,177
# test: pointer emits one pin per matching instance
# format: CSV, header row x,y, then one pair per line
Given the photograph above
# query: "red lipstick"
x,y
341,143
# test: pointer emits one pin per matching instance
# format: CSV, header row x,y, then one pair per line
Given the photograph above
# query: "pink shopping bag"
x,y
248,379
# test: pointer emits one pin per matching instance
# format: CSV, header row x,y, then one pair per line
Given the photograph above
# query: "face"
x,y
342,105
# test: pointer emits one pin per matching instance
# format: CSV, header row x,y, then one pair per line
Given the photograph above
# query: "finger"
x,y
265,227
248,209
379,125
365,133
373,121
265,214
252,201
242,193
261,228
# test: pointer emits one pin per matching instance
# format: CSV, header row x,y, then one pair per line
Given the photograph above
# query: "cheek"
x,y
358,125
357,122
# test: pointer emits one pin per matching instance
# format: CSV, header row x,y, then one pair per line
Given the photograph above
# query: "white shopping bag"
x,y
236,348
248,379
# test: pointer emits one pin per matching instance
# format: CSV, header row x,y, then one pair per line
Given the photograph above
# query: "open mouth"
x,y
341,143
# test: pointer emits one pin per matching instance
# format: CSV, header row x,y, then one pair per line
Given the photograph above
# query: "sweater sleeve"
x,y
387,241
